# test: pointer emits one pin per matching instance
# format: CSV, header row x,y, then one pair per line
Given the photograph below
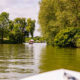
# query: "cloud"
x,y
14,2
21,8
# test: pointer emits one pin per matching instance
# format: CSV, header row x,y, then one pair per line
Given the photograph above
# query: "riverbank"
x,y
36,40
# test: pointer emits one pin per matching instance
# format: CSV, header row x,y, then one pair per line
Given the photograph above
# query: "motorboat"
x,y
31,41
61,74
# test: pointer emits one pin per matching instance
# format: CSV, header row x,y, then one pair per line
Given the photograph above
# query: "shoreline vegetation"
x,y
15,31
60,22
36,39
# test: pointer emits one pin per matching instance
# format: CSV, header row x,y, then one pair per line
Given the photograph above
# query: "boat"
x,y
61,74
31,41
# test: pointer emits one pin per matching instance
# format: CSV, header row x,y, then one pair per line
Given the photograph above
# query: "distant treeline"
x,y
60,22
16,30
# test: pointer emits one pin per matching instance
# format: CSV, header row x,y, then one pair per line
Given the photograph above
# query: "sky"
x,y
22,8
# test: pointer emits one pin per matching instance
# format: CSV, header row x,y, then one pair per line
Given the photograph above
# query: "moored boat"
x,y
31,41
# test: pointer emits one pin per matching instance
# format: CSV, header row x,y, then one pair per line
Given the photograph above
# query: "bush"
x,y
36,39
16,37
27,39
67,37
77,39
78,43
12,36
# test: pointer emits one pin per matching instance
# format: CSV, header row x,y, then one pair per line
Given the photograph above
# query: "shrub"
x,y
67,37
16,37
78,43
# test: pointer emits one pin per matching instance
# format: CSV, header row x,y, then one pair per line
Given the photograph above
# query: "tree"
x,y
55,15
4,24
18,29
30,26
21,22
11,25
47,20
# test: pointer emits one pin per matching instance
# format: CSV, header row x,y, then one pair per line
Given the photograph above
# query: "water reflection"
x,y
22,60
57,58
19,61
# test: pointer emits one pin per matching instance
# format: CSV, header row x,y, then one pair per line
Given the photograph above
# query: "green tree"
x,y
55,15
69,37
21,23
30,26
16,35
47,19
4,24
11,25
18,27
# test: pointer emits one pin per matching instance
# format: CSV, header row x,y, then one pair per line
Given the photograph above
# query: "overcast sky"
x,y
21,8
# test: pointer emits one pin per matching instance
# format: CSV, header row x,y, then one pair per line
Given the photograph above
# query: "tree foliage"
x,y
55,15
30,26
21,29
15,30
4,24
67,37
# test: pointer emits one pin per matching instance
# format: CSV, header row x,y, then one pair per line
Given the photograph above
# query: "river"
x,y
18,61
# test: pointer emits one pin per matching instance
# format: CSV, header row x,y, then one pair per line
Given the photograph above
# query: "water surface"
x,y
23,60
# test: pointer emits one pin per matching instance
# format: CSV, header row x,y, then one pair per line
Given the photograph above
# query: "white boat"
x,y
61,74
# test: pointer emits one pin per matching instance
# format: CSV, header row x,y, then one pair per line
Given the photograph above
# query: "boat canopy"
x,y
32,40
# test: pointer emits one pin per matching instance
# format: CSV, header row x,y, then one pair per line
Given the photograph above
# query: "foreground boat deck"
x,y
56,75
